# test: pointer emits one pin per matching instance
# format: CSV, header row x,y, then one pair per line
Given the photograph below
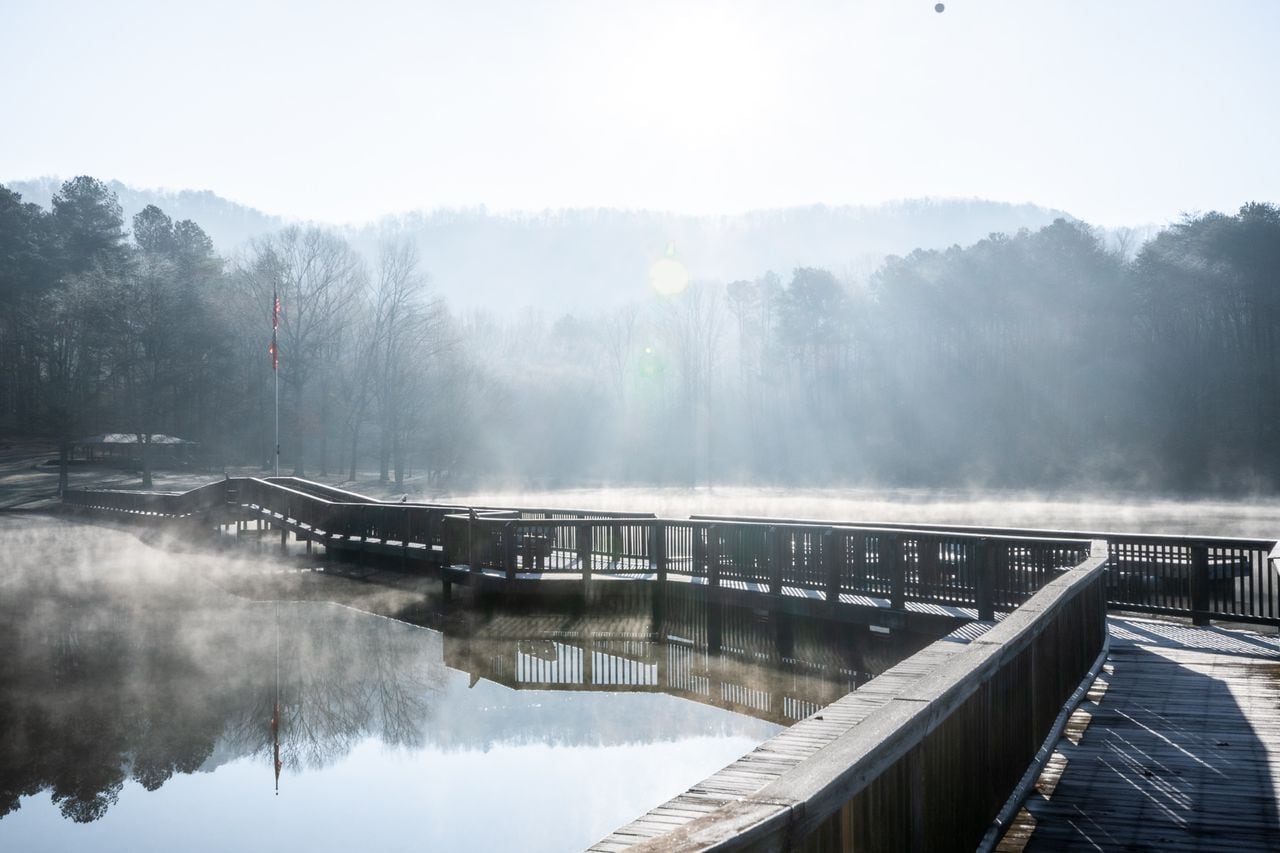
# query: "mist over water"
x,y
1131,512
137,697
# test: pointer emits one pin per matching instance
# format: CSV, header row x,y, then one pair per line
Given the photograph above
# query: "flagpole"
x,y
277,375
275,366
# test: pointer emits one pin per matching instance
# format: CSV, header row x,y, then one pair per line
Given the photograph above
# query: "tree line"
x,y
1044,358
149,332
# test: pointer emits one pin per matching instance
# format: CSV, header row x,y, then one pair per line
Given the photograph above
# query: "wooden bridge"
x,y
937,753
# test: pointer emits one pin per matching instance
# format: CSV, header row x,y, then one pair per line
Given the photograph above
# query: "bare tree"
x,y
407,331
693,324
319,280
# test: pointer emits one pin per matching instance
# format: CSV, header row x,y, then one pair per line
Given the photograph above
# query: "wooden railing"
x,y
329,514
162,504
987,568
830,563
1198,577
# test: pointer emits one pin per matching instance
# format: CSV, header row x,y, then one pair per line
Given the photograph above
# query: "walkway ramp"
x,y
1176,747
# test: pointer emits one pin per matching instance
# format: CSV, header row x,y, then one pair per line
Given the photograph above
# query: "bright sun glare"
x,y
667,275
698,78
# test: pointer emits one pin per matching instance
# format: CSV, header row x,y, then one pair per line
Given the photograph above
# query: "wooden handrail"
x,y
1010,532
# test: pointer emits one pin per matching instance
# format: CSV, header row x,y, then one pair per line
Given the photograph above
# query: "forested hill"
x,y
1045,357
587,259
227,223
569,260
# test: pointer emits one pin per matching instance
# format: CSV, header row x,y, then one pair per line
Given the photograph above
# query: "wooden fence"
x,y
1198,577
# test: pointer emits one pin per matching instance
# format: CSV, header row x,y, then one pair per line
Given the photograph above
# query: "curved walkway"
x,y
1176,747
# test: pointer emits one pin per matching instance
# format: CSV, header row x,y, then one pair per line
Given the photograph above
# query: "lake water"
x,y
161,700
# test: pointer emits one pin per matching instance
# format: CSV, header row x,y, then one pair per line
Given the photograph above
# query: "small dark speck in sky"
x,y
940,7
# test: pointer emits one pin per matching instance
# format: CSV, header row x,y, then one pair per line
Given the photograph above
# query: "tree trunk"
x,y
355,445
384,455
64,449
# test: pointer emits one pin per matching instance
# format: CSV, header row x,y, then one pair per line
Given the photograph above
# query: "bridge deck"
x,y
1176,747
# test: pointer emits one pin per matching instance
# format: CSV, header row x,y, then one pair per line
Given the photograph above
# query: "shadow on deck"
x,y
1177,747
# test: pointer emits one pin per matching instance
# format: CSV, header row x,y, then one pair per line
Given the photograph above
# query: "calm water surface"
x,y
144,706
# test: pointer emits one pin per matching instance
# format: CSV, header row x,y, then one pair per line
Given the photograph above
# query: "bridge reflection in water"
x,y
766,665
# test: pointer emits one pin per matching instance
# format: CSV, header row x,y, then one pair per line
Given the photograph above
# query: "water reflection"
x,y
123,671
749,662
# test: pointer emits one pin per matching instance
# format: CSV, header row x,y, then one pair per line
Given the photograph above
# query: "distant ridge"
x,y
580,260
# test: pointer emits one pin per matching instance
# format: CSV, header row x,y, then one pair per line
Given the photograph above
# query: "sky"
x,y
1121,112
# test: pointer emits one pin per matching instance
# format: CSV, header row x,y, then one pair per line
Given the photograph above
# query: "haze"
x,y
1120,113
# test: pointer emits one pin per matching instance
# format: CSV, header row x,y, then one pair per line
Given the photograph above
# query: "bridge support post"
x,y
985,554
773,557
509,549
406,531
713,556
897,574
658,550
284,529
784,634
715,621
1198,584
831,567
471,540
927,565
658,558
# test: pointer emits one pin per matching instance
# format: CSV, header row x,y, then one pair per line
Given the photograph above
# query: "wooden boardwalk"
x,y
1176,747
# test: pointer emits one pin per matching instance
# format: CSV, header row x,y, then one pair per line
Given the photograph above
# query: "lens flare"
x,y
667,275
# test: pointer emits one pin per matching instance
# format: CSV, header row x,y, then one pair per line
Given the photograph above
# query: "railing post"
x,y
658,549
830,566
927,565
471,540
509,549
773,554
983,580
1199,583
699,554
897,574
713,555
407,529
584,549
658,556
